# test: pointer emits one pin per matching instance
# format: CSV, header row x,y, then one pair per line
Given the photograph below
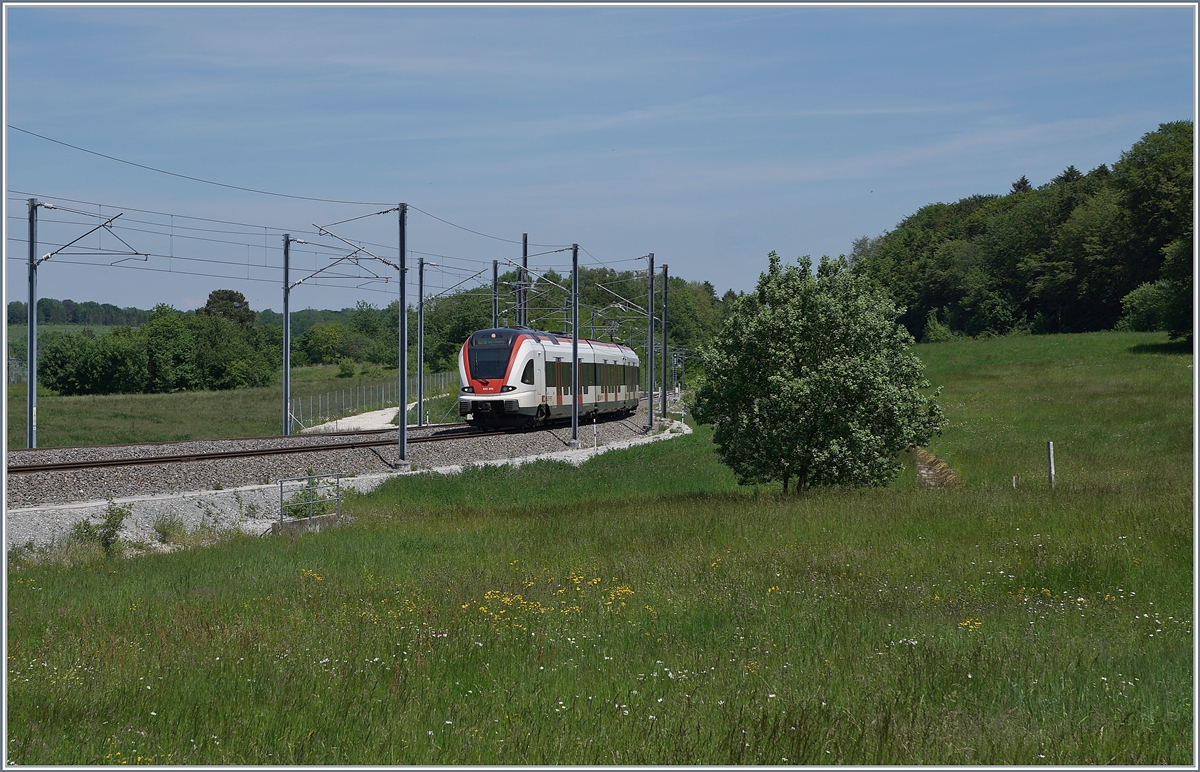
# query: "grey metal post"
x,y
287,341
1050,458
574,345
495,290
402,422
524,302
664,344
420,341
650,350
31,364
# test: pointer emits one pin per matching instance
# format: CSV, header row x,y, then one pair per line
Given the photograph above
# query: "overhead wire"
x,y
277,229
208,275
479,233
193,179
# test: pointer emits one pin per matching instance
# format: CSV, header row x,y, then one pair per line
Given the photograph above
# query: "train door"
x,y
553,393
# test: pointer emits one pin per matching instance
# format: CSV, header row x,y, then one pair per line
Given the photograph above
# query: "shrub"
x,y
935,331
346,368
106,533
1146,308
170,529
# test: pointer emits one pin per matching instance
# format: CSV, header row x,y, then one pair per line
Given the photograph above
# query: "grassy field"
x,y
21,331
119,418
644,609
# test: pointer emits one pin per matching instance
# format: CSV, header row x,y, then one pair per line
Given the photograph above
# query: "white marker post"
x,y
1050,458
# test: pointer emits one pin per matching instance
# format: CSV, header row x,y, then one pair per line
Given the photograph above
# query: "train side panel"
x,y
513,377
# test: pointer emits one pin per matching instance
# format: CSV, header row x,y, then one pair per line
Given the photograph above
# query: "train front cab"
x,y
497,372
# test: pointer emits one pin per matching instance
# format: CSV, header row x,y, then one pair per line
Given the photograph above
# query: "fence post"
x,y
1050,458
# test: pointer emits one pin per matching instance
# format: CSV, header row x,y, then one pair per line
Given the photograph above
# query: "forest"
x,y
1111,248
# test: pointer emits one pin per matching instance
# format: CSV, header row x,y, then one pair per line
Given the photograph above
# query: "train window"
x,y
527,375
587,374
551,375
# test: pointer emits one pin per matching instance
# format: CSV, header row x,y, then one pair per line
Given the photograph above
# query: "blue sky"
x,y
707,135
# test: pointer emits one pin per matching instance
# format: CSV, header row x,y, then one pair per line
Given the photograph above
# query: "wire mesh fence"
x,y
316,409
16,370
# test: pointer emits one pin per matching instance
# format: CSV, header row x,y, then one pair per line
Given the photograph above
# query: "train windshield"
x,y
488,355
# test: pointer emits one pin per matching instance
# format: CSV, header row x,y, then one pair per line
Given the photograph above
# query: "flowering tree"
x,y
811,378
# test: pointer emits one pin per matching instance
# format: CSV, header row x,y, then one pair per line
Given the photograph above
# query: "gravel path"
x,y
244,493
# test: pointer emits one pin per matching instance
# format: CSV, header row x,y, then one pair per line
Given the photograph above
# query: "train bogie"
x,y
520,377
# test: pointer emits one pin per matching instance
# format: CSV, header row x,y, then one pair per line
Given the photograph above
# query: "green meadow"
x,y
644,609
106,419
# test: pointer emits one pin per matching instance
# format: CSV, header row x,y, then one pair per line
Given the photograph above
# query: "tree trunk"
x,y
785,482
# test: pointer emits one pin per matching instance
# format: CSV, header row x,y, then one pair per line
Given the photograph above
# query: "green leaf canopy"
x,y
812,379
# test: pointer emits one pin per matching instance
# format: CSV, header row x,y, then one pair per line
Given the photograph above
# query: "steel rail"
x,y
227,454
348,432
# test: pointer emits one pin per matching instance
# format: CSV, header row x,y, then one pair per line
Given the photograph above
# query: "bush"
x,y
346,368
79,364
1146,308
935,331
170,529
323,342
106,533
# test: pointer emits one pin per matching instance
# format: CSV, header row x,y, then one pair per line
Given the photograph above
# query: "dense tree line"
x,y
1083,252
227,345
215,347
51,311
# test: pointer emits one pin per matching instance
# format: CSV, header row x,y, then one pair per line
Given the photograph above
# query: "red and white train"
x,y
521,377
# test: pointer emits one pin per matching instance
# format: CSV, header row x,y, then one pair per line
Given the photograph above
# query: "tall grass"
x,y
644,609
1111,403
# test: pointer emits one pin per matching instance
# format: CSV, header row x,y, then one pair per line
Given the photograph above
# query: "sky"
x,y
707,135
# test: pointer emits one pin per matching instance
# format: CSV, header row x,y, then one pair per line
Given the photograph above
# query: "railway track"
x,y
375,438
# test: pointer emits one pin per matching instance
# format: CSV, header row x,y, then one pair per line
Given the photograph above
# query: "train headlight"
x,y
469,389
508,388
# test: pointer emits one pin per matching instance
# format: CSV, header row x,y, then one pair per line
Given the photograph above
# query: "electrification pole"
x,y
650,349
287,341
664,344
524,302
287,332
495,290
574,345
34,261
31,363
420,340
402,423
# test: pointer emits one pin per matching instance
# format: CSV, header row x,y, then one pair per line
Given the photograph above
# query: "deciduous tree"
x,y
812,379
